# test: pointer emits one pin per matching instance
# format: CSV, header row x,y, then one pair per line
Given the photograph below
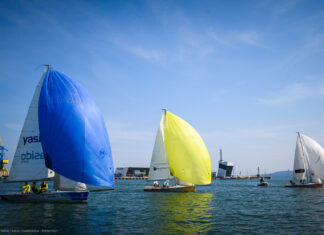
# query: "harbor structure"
x,y
225,168
129,172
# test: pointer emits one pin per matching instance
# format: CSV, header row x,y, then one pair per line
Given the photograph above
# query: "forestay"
x,y
74,136
28,162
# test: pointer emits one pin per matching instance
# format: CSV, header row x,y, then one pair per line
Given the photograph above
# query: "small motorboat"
x,y
264,184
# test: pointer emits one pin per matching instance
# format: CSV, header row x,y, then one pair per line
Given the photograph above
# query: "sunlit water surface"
x,y
224,207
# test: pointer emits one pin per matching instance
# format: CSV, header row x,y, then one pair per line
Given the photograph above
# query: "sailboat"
x,y
64,139
179,153
308,163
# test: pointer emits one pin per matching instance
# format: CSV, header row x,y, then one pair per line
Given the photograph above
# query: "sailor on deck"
x,y
44,186
166,184
34,188
26,188
156,184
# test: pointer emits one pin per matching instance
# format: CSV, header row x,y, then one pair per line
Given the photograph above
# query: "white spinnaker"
x,y
159,168
315,155
28,162
64,184
299,162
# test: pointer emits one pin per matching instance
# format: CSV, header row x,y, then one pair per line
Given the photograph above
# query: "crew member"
x,y
26,188
43,186
34,188
156,184
166,184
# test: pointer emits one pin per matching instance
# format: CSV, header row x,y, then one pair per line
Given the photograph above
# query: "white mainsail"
x,y
315,155
159,168
28,162
299,162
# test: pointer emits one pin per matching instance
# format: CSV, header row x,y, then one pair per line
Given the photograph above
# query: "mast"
x,y
163,137
48,66
164,113
221,155
305,157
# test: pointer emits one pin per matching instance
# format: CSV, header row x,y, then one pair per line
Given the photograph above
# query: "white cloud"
x,y
34,13
231,38
281,7
294,92
313,45
218,38
250,38
151,55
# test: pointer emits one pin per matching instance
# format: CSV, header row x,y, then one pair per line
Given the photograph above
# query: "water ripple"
x,y
225,207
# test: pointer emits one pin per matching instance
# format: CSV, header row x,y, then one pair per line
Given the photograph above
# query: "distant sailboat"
x,y
179,153
64,139
308,163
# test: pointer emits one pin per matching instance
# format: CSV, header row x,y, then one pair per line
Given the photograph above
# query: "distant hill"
x,y
281,175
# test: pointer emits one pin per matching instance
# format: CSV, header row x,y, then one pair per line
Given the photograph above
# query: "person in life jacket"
x,y
34,188
156,184
26,188
166,184
43,186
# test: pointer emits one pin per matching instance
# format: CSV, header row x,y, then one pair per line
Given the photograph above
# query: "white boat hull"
x,y
173,188
52,196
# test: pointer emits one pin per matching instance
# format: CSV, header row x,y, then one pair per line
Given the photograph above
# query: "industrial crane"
x,y
4,173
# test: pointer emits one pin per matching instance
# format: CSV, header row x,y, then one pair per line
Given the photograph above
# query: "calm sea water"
x,y
224,207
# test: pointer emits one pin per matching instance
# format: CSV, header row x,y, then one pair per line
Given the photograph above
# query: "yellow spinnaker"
x,y
187,154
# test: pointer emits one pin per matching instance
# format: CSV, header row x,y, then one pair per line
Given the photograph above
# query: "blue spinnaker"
x,y
74,137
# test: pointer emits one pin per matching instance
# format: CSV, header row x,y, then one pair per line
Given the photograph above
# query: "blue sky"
x,y
246,74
